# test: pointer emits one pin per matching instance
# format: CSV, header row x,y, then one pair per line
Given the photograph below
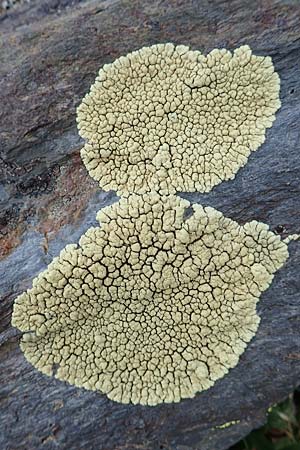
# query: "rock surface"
x,y
50,52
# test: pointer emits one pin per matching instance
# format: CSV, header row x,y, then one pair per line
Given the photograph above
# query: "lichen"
x,y
171,119
228,424
154,305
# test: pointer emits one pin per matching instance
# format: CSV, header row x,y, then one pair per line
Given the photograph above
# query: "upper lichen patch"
x,y
152,306
170,119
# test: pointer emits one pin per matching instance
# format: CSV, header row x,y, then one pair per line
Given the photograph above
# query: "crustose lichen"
x,y
151,306
155,304
169,119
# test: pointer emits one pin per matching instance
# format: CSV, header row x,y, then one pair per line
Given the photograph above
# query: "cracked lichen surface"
x,y
152,306
170,119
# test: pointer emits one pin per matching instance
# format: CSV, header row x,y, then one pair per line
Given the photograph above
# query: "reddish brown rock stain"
x,y
62,205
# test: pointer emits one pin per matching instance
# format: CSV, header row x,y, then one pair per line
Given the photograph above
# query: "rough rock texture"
x,y
50,53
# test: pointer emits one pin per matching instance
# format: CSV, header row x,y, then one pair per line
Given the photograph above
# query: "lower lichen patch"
x,y
154,305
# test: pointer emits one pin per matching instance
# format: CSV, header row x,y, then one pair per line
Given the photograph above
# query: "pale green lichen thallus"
x,y
171,119
151,306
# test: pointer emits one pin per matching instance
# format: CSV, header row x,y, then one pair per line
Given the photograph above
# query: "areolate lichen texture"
x,y
154,305
171,119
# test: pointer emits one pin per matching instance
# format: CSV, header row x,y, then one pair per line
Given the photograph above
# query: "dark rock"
x,y
50,52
